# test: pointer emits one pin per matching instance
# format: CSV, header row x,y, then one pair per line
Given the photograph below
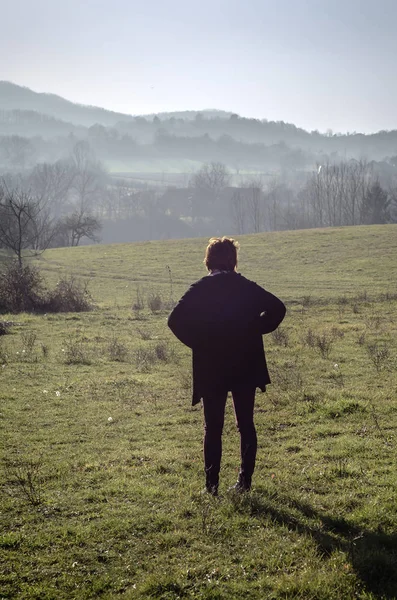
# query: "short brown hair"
x,y
221,253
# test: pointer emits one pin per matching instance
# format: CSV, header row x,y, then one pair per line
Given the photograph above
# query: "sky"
x,y
320,64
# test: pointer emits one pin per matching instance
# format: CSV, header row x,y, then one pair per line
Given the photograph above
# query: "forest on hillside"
x,y
98,177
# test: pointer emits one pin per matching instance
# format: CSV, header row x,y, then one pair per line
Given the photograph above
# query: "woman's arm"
x,y
183,320
272,311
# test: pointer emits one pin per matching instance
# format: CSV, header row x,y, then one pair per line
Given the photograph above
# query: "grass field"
x,y
101,465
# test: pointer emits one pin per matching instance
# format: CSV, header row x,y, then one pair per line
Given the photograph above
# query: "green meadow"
x,y
101,452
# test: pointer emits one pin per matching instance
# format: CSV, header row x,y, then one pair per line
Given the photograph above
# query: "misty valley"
x,y
95,175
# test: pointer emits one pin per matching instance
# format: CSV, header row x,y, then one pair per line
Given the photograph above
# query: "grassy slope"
x,y
114,508
319,262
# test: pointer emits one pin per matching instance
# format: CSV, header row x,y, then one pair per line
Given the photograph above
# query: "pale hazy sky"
x,y
316,63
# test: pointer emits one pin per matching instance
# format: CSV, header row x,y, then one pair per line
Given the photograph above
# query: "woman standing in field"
x,y
222,318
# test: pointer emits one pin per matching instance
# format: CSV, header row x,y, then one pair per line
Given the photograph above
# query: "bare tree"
x,y
272,203
393,203
51,184
76,226
89,177
377,205
336,193
238,211
24,223
213,176
17,151
358,180
209,182
255,204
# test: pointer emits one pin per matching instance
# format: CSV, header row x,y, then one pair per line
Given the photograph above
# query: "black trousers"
x,y
214,413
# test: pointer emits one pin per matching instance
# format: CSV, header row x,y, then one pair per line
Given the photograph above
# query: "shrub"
x,y
342,303
280,337
373,320
143,333
75,352
379,354
3,355
145,359
362,296
337,333
324,343
139,303
21,289
361,338
288,375
185,378
388,297
155,302
27,477
4,327
164,351
28,340
69,295
310,338
117,350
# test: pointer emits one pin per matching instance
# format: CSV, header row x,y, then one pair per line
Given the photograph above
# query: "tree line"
x,y
53,204
73,200
27,137
334,195
20,152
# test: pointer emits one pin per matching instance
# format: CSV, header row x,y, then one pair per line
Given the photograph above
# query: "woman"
x,y
222,318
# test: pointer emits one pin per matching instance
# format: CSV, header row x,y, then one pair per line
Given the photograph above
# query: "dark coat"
x,y
222,318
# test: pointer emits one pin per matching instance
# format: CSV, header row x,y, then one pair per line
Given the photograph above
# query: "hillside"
x,y
14,96
101,472
240,142
321,263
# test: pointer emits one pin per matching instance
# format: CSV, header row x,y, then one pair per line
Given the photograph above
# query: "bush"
x,y
21,289
144,334
361,339
139,304
155,302
75,352
164,351
324,342
28,340
117,350
3,355
310,338
145,359
26,476
4,327
280,337
288,376
69,295
379,354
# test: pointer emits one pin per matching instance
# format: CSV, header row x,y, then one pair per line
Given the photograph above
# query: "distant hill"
x,y
30,123
14,97
189,115
201,136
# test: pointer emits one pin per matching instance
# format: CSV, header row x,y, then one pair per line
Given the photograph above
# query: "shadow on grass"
x,y
373,554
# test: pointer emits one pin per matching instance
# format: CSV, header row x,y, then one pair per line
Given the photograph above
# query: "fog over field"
x,y
96,175
152,124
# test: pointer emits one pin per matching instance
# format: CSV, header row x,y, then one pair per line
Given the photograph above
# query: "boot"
x,y
242,485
